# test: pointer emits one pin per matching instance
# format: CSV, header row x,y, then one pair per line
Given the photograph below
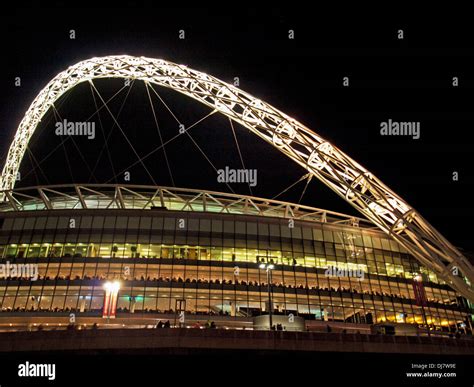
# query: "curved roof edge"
x,y
127,196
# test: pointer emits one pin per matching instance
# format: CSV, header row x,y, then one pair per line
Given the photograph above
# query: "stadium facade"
x,y
195,256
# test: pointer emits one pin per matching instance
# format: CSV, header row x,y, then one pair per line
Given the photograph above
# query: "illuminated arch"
x,y
338,171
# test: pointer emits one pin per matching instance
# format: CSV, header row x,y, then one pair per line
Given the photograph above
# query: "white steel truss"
x,y
346,177
144,197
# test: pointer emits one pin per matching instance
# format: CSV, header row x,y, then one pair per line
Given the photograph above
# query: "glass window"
x,y
121,222
385,244
18,225
228,227
107,238
8,224
98,222
109,222
263,229
367,241
285,231
145,223
252,228
240,227
86,222
307,233
134,221
193,224
328,237
216,225
376,243
63,222
40,223
205,225
296,232
51,223
274,230
394,245
157,223
318,234
169,223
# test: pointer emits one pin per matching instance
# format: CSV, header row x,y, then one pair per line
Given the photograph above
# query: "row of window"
x,y
384,264
290,276
284,229
294,290
297,246
83,299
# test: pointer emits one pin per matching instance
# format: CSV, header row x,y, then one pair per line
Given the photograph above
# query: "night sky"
x,y
405,80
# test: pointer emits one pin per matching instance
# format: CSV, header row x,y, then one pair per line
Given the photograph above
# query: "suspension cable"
x,y
123,133
106,139
75,144
166,143
68,138
159,131
190,137
305,187
240,153
208,160
291,186
64,147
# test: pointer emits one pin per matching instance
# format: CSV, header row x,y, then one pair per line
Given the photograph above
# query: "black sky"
x,y
405,80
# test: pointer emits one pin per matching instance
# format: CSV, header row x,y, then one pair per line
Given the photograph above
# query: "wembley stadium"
x,y
266,196
122,255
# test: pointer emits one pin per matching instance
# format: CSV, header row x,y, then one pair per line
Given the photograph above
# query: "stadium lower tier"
x,y
228,289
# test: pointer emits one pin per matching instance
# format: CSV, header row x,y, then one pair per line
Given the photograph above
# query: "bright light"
x,y
400,317
115,286
112,286
418,278
265,266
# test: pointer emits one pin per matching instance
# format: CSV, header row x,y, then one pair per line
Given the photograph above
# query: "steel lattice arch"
x,y
351,181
